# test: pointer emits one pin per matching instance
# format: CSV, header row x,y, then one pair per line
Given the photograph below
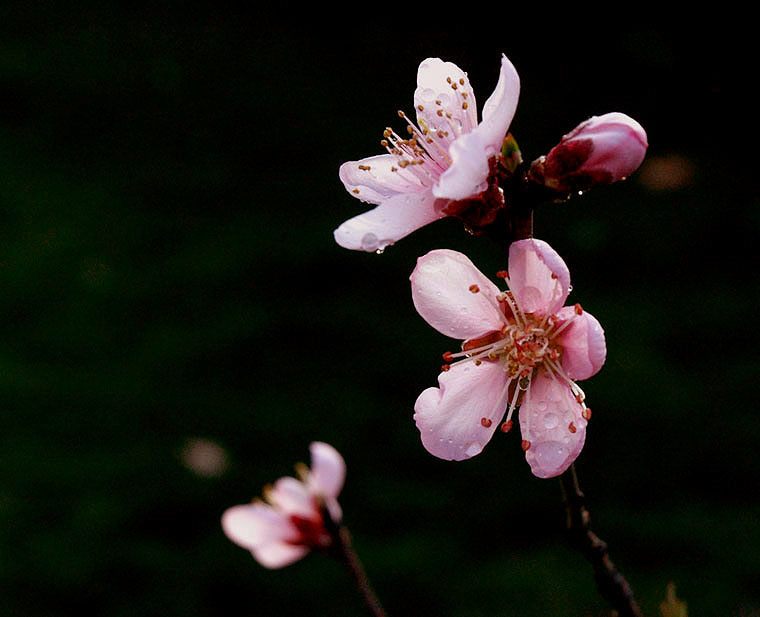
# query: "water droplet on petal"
x,y
551,420
473,449
549,454
369,242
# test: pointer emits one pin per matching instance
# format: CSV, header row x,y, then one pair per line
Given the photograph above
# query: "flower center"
x,y
526,343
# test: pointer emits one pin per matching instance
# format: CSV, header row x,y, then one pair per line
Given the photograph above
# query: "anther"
x,y
364,167
506,426
525,445
302,471
580,397
578,309
420,107
554,275
474,289
446,367
461,81
486,422
586,413
448,79
448,356
572,428
355,191
401,114
502,274
464,105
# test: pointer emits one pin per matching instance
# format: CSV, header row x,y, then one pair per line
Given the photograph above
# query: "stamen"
x,y
474,289
486,422
302,471
564,325
446,367
553,367
510,297
525,445
586,413
506,426
572,428
512,405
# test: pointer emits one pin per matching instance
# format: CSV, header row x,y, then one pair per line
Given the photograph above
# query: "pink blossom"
x,y
601,150
520,347
445,161
291,521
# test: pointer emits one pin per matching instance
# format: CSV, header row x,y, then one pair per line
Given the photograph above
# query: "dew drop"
x,y
549,454
473,449
369,242
542,406
551,420
425,94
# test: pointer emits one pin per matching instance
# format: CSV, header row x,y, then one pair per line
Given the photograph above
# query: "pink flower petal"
x,y
584,349
441,291
467,176
328,470
499,109
538,276
392,220
551,420
255,524
373,179
293,497
449,417
444,86
278,554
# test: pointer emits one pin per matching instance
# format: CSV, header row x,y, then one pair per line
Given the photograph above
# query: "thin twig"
x,y
343,551
611,583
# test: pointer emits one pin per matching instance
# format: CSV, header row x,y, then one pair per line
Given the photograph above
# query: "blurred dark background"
x,y
178,324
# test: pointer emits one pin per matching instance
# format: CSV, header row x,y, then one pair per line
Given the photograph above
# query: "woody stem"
x,y
343,551
612,586
610,582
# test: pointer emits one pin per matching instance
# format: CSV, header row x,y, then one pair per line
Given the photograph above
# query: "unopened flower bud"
x,y
601,150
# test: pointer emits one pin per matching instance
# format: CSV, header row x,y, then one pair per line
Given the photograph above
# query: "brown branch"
x,y
342,550
611,584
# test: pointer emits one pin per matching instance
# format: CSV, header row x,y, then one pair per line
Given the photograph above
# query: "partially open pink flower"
x,y
291,521
601,150
520,347
446,159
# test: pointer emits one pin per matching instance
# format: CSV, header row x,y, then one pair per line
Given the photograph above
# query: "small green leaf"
x,y
510,153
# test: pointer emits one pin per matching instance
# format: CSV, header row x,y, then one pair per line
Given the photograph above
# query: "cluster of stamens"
x,y
526,343
424,156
